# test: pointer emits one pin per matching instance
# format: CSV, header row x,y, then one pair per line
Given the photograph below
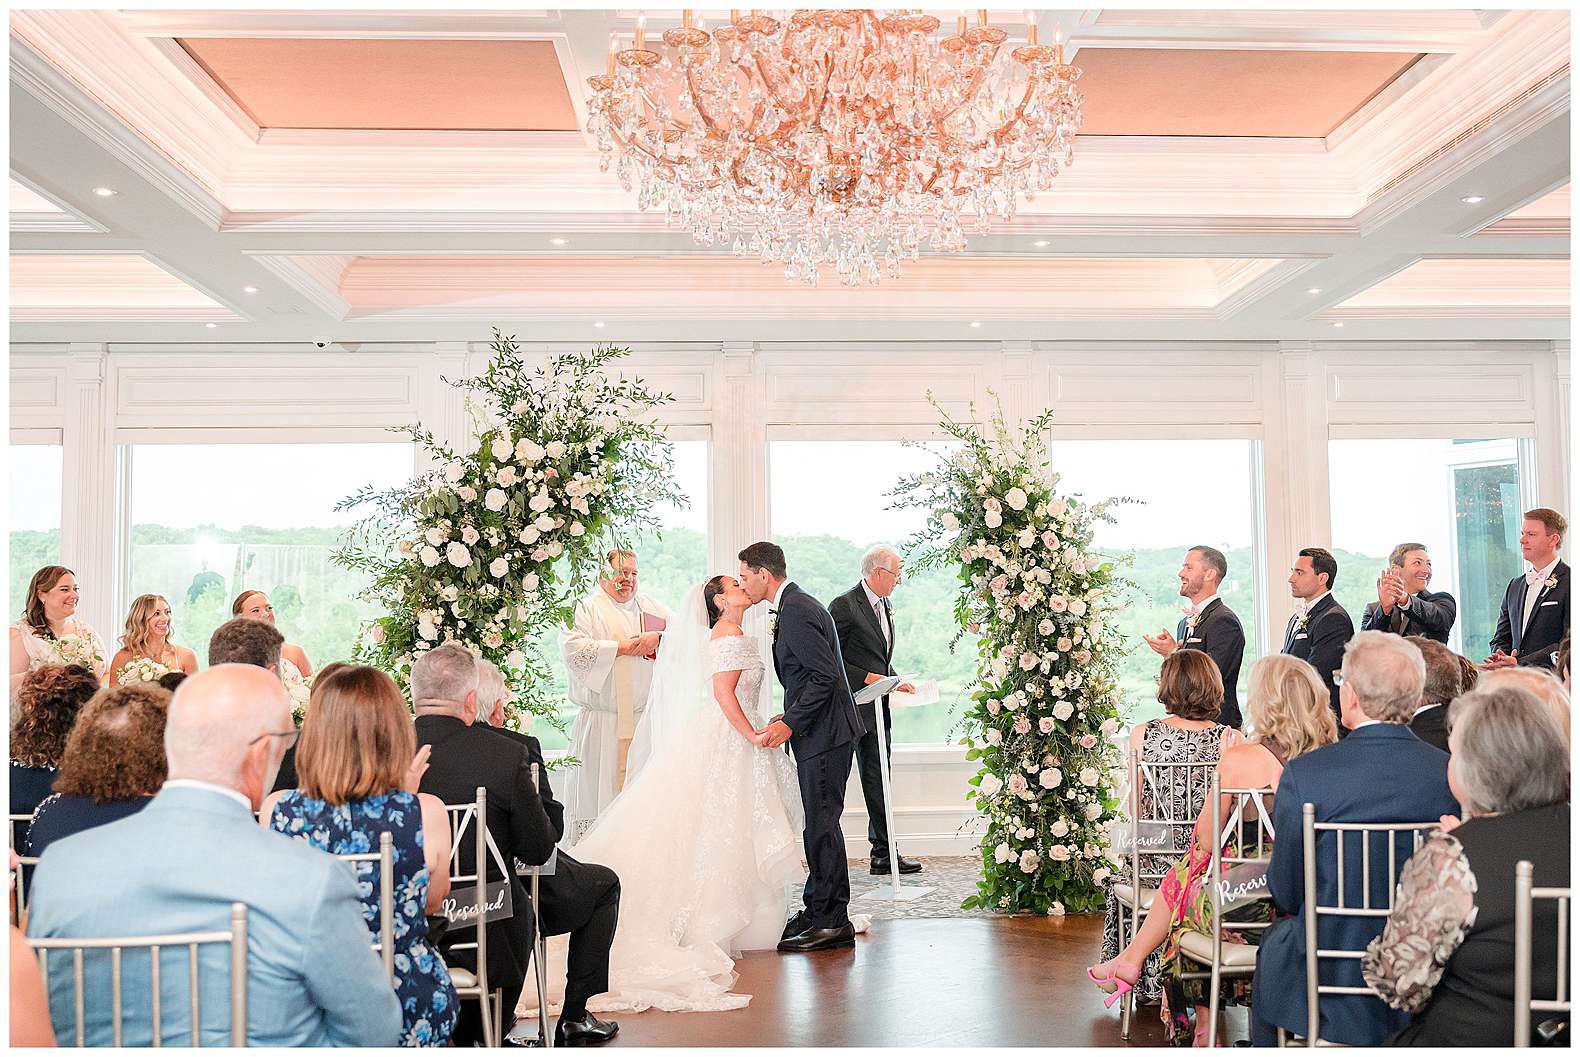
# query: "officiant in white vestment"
x,y
609,651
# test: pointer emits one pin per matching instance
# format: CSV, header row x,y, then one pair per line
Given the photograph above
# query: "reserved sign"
x,y
464,905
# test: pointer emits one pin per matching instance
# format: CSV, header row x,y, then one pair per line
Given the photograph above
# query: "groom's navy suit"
x,y
824,726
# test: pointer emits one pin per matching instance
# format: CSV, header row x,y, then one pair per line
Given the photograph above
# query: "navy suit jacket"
x,y
1320,643
862,647
1549,620
1430,614
1380,773
818,707
1219,635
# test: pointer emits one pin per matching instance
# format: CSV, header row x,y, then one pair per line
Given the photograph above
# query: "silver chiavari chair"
x,y
235,938
474,984
22,875
1525,896
540,948
385,857
1156,830
18,829
1315,911
1231,959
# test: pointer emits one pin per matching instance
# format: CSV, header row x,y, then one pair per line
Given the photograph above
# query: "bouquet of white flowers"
x,y
299,690
79,649
142,670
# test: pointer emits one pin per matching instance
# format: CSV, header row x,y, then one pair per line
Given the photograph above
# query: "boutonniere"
x,y
773,623
1552,581
1300,621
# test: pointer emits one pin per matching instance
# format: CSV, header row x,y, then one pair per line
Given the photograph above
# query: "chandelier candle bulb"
x,y
1031,28
641,32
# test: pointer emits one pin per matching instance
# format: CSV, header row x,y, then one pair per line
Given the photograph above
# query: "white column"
x,y
1552,432
443,405
1015,388
1295,472
740,456
90,488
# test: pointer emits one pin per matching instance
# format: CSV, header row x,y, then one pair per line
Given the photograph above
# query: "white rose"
x,y
555,548
506,476
498,568
950,522
1015,499
502,448
1057,508
527,451
495,500
1101,874
1045,724
1029,861
544,523
426,629
1059,853
1027,537
1056,909
467,493
991,785
1091,811
1063,711
578,529
434,536
377,633
1110,726
469,535
993,737
540,502
454,472
1050,778
529,582
529,535
1077,607
457,555
1002,853
429,556
555,449
1089,776
993,519
1045,628
449,592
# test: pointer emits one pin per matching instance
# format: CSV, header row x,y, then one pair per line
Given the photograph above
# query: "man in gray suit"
x,y
313,978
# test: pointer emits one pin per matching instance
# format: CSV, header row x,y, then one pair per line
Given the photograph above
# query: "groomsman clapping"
x,y
1404,606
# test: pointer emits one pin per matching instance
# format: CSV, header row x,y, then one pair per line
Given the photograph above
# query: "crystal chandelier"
x,y
851,138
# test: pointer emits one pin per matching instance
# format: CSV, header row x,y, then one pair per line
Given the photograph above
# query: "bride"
x,y
706,834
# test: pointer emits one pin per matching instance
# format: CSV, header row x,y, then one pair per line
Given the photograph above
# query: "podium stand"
x,y
897,892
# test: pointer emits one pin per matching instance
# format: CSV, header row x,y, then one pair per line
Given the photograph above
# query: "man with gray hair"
x,y
1442,685
864,621
1380,773
467,754
313,978
1404,606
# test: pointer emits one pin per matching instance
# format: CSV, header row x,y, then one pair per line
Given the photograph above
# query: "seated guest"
x,y
1191,692
1548,690
1404,606
30,1024
1209,625
1562,671
170,680
113,766
1447,954
1380,773
313,978
254,642
1288,708
1469,673
359,768
1534,616
1320,626
47,705
444,692
1441,687
582,899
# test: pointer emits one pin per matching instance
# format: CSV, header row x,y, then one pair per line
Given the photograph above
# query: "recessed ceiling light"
x,y
211,326
1471,200
559,242
250,289
599,323
1313,289
1340,323
976,323
1040,243
104,192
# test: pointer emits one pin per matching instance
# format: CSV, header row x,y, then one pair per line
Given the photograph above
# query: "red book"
x,y
652,623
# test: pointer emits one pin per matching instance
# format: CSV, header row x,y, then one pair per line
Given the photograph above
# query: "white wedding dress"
x,y
705,837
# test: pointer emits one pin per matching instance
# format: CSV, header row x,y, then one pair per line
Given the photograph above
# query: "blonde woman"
x,y
147,637
1289,715
254,605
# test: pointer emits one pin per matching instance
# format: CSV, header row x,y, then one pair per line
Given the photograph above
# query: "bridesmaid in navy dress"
x,y
358,768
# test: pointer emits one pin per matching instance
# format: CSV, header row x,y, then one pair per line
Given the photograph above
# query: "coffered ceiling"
x,y
419,175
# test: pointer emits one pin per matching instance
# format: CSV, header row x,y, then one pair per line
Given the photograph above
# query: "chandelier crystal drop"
x,y
855,139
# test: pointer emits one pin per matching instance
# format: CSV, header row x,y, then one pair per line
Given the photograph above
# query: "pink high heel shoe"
x,y
1120,987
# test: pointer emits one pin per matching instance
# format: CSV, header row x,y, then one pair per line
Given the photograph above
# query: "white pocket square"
x,y
1554,602
1302,635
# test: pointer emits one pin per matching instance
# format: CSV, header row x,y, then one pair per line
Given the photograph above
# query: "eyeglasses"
x,y
289,735
899,578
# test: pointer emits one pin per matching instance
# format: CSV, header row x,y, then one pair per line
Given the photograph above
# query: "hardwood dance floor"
x,y
920,982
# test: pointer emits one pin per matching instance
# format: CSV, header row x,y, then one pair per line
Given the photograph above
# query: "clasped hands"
x,y
1390,589
773,735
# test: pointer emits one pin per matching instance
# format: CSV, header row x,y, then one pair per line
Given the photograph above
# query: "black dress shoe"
x,y
821,939
880,867
588,1031
795,926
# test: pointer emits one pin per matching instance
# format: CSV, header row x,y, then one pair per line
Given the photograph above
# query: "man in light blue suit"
x,y
1380,773
313,978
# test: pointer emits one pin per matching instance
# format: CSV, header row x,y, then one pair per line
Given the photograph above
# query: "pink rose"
x,y
1022,724
1045,724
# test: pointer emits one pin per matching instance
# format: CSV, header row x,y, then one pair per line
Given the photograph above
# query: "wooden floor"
x,y
919,982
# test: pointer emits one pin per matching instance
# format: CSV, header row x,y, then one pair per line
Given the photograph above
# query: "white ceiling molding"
x,y
316,278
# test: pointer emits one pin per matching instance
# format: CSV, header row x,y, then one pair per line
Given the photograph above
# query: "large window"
x,y
1192,492
1459,497
829,504
669,563
35,516
211,520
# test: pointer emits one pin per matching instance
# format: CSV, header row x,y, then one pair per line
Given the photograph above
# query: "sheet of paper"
x,y
926,694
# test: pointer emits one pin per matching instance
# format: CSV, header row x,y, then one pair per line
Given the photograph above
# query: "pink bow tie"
x,y
1534,577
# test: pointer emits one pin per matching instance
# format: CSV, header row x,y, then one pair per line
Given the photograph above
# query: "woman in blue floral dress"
x,y
358,770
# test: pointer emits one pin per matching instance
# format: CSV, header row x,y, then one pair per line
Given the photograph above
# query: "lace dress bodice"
x,y
737,653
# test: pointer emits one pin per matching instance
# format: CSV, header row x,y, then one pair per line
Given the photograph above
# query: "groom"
x,y
821,724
